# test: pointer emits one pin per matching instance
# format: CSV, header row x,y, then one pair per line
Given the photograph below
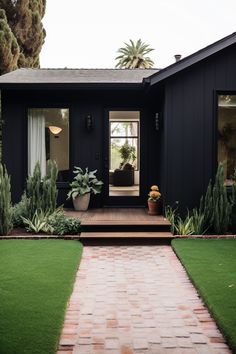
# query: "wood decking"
x,y
118,216
121,223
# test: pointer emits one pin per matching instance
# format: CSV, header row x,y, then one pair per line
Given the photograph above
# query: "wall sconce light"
x,y
89,122
54,130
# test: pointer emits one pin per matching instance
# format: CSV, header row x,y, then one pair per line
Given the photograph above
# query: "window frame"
x,y
60,184
218,93
126,137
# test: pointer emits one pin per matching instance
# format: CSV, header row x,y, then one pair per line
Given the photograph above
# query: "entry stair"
x,y
122,225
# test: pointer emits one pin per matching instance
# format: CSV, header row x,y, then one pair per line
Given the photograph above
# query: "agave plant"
x,y
184,226
38,222
84,182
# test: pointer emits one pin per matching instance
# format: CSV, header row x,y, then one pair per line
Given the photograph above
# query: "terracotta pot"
x,y
81,202
153,207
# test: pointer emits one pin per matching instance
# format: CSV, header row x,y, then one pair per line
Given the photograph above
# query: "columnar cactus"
x,y
216,206
41,192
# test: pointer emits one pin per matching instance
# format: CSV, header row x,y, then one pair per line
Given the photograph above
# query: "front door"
x,y
123,159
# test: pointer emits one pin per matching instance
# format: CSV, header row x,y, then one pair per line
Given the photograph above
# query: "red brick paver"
x,y
137,299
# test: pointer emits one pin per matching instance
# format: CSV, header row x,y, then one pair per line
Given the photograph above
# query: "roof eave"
x,y
69,85
191,59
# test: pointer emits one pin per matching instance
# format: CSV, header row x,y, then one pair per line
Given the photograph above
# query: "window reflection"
x,y
227,134
48,138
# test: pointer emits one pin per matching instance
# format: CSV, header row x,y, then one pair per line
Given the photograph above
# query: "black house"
x,y
137,127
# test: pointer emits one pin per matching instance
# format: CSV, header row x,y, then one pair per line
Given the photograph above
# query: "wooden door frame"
x,y
125,201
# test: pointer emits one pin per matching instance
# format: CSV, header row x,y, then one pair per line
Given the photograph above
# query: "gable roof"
x,y
191,59
110,76
76,76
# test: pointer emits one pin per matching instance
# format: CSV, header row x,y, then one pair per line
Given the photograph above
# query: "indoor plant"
x,y
84,184
154,201
127,153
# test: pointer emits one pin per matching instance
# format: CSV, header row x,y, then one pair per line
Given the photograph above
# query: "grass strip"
x,y
36,280
211,265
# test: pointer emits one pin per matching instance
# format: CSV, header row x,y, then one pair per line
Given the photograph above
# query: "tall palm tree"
x,y
133,55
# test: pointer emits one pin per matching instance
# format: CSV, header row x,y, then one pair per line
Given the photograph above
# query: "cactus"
x,y
206,206
5,202
216,206
41,192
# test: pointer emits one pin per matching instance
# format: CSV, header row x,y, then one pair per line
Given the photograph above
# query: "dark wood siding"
x,y
86,148
190,126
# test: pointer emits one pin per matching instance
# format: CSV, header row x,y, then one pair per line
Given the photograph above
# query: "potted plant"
x,y
127,153
154,201
83,185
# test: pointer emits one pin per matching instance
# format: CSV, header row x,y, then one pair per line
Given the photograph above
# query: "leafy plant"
x,y
127,153
63,225
198,222
38,223
214,213
84,182
179,226
41,192
170,215
184,226
5,202
18,210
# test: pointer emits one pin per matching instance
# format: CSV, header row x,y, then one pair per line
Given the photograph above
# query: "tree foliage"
x,y
21,33
134,55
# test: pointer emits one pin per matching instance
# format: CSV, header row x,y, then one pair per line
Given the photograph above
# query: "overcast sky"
x,y
87,34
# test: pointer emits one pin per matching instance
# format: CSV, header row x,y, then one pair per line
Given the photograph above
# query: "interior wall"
x,y
59,149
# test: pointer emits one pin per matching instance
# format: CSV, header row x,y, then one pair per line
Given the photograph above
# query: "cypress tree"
x,y
5,202
21,33
9,48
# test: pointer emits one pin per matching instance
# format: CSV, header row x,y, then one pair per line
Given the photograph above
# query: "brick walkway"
x,y
136,299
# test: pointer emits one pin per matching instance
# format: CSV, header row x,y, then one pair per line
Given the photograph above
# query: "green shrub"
x,y
184,226
179,226
41,192
216,206
198,222
170,215
216,211
38,223
18,210
63,225
5,202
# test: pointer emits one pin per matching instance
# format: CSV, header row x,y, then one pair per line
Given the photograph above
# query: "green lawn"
x,y
36,280
211,264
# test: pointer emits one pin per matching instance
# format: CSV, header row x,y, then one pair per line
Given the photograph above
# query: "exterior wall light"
x,y
89,122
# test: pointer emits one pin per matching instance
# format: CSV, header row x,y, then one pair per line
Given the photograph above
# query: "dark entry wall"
x,y
189,157
86,148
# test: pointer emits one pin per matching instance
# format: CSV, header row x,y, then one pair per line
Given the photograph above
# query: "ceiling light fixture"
x,y
54,130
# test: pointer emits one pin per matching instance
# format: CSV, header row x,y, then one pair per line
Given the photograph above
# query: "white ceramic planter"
x,y
81,202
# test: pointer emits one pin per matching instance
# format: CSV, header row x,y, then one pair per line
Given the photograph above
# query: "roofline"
x,y
191,59
70,85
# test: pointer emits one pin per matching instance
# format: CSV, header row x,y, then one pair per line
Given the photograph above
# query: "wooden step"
x,y
111,235
130,222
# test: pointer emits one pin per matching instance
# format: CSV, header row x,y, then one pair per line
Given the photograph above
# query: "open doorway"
x,y
124,154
